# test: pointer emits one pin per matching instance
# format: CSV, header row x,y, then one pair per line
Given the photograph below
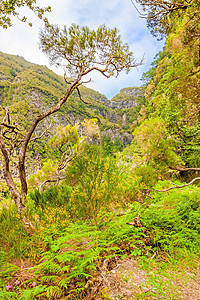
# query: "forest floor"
x,y
123,278
126,280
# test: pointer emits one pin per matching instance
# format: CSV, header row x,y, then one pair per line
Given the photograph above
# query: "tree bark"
x,y
9,180
19,198
177,168
178,186
22,154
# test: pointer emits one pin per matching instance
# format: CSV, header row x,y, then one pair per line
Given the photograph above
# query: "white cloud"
x,y
23,40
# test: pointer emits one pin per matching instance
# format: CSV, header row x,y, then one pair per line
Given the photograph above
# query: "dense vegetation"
x,y
110,203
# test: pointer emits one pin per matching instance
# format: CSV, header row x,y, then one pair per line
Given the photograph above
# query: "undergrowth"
x,y
66,256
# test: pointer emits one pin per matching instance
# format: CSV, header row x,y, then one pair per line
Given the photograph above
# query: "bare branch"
x,y
178,186
63,163
42,134
50,180
22,154
185,169
79,94
87,81
143,15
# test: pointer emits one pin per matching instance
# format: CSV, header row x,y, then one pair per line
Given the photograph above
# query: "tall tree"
x,y
83,50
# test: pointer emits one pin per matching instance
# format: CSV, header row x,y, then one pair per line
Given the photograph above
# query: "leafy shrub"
x,y
95,179
56,196
110,147
173,219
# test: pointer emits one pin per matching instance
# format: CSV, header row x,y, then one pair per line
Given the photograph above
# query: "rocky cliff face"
x,y
127,98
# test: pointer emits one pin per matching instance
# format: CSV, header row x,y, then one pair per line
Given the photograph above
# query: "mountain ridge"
x,y
35,84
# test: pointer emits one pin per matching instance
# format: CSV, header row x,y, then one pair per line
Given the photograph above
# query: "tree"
x,y
173,85
156,144
67,145
84,51
160,13
10,8
173,92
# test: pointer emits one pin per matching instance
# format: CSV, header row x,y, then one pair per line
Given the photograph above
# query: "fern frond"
x,y
65,257
31,293
64,283
65,269
49,279
4,295
49,267
54,291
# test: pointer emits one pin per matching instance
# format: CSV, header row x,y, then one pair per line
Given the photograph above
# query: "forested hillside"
x,y
28,89
112,202
23,82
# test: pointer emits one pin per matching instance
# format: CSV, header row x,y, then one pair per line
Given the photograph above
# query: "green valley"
x,y
101,198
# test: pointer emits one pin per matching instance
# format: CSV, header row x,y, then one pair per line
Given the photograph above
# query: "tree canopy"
x,y
84,50
160,14
9,8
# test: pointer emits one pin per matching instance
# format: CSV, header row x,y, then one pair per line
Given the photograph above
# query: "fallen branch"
x,y
178,186
185,169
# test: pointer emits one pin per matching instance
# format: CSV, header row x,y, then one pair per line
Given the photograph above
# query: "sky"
x,y
23,40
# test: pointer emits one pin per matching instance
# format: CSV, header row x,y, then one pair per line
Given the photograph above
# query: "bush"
x,y
56,196
95,179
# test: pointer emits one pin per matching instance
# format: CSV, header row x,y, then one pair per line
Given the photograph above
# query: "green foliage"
x,y
107,208
85,50
110,147
64,137
189,143
47,171
55,196
10,8
147,175
94,179
73,253
169,226
172,92
158,148
12,234
13,72
173,219
4,192
33,292
4,295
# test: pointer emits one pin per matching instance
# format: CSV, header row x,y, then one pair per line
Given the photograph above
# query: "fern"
x,y
53,291
31,293
64,283
65,269
4,295
49,267
8,270
49,279
65,257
